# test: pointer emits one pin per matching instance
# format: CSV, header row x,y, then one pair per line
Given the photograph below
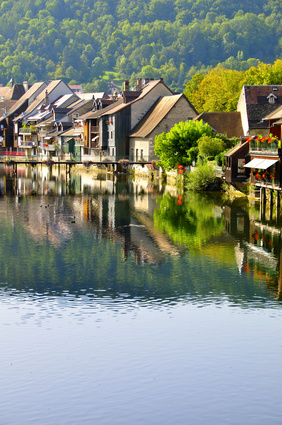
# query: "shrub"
x,y
203,178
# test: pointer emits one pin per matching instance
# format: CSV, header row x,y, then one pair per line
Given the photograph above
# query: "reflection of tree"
x,y
192,223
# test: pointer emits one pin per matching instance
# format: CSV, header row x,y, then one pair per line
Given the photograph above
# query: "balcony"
x,y
28,130
257,146
26,144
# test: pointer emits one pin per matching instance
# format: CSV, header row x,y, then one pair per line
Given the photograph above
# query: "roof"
x,y
104,111
95,95
236,148
136,95
73,132
155,115
5,106
257,103
4,91
15,92
228,123
84,104
53,84
258,94
27,95
274,115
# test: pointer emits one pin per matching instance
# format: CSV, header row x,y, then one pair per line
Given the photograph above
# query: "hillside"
x,y
116,39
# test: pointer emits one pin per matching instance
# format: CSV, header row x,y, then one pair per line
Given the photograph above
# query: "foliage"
x,y
83,41
202,178
210,146
179,145
190,222
218,89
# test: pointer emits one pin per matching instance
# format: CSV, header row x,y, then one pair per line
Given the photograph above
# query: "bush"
x,y
203,178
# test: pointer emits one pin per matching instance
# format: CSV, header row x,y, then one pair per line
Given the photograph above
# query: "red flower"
x,y
180,171
256,236
179,166
257,176
179,200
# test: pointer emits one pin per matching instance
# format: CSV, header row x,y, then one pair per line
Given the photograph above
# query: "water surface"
x,y
123,303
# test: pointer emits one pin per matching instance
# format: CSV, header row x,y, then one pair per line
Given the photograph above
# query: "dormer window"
x,y
271,98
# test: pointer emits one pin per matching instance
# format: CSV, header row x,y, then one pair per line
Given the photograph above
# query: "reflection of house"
x,y
161,117
255,103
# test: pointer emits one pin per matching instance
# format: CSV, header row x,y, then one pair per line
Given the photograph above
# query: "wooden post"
x,y
278,198
271,198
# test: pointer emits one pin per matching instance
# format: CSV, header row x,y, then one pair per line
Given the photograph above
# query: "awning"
x,y
254,163
261,163
267,163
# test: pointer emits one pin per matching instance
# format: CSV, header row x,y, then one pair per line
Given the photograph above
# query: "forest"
x,y
91,42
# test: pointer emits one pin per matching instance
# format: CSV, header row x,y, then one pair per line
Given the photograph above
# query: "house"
x,y
76,88
228,123
117,122
161,117
25,132
235,160
274,120
17,108
255,103
265,162
90,120
108,126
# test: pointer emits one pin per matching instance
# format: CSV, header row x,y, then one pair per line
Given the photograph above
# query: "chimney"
x,y
25,86
125,85
46,98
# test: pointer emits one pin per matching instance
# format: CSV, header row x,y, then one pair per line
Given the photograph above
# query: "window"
x,y
136,154
271,98
141,154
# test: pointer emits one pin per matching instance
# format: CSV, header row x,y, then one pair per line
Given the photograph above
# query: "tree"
x,y
209,147
179,145
217,91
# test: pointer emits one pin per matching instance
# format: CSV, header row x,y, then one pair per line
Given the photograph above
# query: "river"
x,y
126,302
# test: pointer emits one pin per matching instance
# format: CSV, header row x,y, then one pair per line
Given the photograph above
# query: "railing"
x,y
26,144
266,182
95,145
29,130
264,146
7,153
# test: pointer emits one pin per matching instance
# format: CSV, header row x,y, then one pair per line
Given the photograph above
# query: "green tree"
x,y
179,145
209,147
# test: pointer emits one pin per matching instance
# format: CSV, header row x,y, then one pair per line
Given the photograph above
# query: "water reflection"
x,y
93,236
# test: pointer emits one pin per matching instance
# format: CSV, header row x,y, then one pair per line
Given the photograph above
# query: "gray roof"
x,y
155,115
